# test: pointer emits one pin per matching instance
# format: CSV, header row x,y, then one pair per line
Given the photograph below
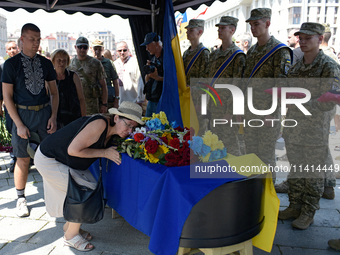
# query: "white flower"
x,y
140,130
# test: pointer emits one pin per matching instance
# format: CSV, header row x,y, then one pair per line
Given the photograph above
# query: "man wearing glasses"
x,y
130,82
92,75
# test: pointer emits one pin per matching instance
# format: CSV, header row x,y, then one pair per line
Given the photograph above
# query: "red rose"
x,y
164,139
184,146
172,157
138,137
151,146
174,143
186,154
183,162
179,129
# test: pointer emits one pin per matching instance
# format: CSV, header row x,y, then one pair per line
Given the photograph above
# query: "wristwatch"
x,y
117,97
105,104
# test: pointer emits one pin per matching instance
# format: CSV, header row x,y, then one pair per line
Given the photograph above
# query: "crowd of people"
x,y
66,103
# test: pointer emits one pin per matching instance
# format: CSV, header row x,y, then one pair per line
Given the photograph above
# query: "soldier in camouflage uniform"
x,y
307,143
195,30
227,133
92,75
195,61
262,140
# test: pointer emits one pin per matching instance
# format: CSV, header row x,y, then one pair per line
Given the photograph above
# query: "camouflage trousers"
x,y
227,134
92,106
262,141
306,182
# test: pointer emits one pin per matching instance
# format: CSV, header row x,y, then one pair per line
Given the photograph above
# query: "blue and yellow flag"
x,y
175,100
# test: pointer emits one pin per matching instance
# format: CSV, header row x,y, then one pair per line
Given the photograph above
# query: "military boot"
x,y
282,187
288,213
335,244
328,193
303,222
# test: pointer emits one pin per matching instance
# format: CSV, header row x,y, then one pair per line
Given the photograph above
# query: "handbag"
x,y
82,204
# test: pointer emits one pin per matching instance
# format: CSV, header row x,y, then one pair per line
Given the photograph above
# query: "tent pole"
x,y
153,3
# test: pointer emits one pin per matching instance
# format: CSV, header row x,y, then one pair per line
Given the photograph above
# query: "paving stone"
x,y
15,248
283,199
2,244
275,251
51,233
313,238
4,174
300,251
19,229
3,183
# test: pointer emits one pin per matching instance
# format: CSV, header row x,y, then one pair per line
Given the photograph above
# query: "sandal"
x,y
85,234
78,242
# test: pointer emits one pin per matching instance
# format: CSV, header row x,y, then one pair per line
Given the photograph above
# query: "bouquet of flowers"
x,y
5,137
167,143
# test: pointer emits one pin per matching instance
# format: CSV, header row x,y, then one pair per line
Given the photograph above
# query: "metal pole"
x,y
153,14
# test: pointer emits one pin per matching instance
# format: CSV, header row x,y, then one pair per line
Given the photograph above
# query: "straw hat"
x,y
130,111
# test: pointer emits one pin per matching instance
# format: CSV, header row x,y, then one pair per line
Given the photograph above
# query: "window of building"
x,y
58,38
326,9
66,45
263,3
324,20
62,45
308,9
334,31
294,15
319,9
319,1
333,41
335,20
58,45
318,19
335,10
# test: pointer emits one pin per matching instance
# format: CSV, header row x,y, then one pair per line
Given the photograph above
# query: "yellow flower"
x,y
163,149
150,157
154,115
207,138
146,118
163,118
206,158
168,136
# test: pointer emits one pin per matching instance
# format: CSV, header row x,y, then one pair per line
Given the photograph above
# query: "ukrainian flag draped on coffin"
x,y
175,100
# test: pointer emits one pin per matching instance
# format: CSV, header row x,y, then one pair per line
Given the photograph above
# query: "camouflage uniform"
x,y
94,72
226,133
330,180
262,140
307,143
198,68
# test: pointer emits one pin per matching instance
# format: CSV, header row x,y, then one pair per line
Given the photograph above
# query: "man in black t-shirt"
x,y
28,103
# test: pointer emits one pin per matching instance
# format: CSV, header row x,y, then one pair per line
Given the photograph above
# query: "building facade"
x,y
106,36
3,35
286,15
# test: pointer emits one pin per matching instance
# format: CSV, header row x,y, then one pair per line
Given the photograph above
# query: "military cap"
x,y
259,13
311,28
97,42
195,23
82,41
227,20
327,27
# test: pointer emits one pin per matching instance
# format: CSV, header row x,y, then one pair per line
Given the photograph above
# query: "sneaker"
x,y
282,187
21,209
